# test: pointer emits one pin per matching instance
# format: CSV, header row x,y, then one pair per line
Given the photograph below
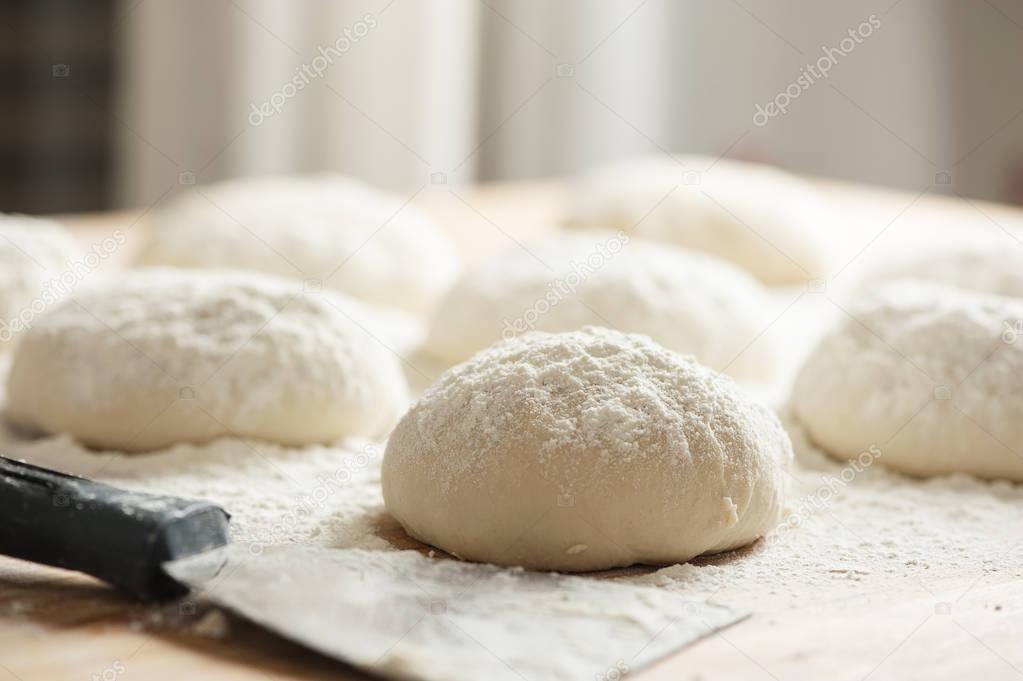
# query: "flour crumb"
x,y
213,624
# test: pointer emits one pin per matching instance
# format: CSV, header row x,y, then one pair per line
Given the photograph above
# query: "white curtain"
x,y
462,90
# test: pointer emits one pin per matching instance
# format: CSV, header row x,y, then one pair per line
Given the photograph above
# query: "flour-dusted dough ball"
x,y
688,302
152,358
760,218
34,254
585,450
324,229
928,375
982,265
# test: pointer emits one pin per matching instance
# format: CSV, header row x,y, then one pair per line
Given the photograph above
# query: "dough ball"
x,y
986,266
34,253
328,230
585,450
762,219
686,301
926,374
152,358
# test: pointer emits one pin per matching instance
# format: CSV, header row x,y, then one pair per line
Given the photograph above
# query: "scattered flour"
x,y
875,534
214,624
878,534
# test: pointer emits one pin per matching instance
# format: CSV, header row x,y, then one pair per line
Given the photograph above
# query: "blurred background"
x,y
110,104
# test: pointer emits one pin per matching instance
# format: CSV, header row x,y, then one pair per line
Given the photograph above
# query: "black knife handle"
x,y
118,536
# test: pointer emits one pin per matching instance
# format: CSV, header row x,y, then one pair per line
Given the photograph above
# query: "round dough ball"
x,y
152,358
985,266
926,374
585,450
34,253
325,229
686,301
762,219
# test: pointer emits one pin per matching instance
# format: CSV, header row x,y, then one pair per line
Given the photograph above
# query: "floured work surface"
x,y
875,574
879,564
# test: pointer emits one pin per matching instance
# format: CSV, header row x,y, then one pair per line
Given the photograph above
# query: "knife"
x,y
397,614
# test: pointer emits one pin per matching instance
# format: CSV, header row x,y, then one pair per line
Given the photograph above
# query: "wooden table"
x,y
57,626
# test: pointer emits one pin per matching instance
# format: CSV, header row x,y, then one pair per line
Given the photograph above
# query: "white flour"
x,y
879,534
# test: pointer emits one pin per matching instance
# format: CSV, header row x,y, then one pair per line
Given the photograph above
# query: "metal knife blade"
x,y
403,615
